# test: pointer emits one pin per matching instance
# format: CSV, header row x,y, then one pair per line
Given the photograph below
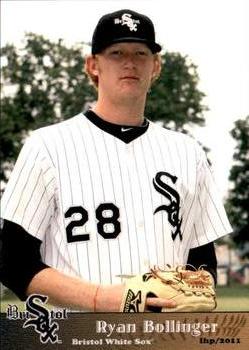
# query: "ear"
x,y
92,65
157,67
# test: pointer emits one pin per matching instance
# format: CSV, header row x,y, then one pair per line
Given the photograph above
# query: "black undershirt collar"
x,y
123,132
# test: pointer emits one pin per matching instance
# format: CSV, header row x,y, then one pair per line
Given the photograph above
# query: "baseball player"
x,y
109,193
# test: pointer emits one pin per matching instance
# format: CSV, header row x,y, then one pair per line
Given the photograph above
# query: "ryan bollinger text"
x,y
150,327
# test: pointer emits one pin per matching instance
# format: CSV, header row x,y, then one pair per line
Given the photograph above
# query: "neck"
x,y
130,113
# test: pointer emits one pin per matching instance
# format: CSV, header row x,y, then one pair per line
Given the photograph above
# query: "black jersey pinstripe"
x,y
104,177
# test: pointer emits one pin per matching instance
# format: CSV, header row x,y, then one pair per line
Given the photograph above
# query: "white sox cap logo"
x,y
128,21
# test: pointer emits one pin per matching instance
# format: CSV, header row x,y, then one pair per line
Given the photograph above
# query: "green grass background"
x,y
233,298
229,298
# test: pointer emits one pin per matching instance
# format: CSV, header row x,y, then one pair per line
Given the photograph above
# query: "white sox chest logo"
x,y
173,207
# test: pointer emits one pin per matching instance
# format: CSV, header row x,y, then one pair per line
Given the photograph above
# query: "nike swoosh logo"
x,y
126,129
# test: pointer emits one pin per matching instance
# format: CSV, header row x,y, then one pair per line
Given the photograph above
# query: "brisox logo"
x,y
128,21
39,317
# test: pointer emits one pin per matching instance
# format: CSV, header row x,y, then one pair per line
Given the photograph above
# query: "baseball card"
x,y
124,175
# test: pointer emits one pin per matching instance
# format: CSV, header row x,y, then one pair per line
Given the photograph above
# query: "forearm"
x,y
79,294
22,270
75,293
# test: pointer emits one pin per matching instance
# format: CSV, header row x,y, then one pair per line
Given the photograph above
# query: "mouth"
x,y
130,77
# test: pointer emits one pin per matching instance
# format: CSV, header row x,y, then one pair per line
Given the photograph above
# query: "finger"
x,y
161,302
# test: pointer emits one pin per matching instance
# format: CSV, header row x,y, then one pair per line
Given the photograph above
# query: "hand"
x,y
109,300
155,304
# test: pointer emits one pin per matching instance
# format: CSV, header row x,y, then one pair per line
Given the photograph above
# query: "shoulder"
x,y
174,136
60,126
49,140
49,134
178,143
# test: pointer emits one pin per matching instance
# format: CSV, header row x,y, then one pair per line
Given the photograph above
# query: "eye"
x,y
141,53
116,52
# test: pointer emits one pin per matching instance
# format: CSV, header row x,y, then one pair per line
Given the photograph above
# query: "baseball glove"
x,y
192,290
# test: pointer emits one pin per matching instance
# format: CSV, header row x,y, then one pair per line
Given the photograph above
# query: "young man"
x,y
109,193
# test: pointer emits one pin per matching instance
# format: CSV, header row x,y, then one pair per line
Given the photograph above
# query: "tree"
x,y
44,82
238,199
175,98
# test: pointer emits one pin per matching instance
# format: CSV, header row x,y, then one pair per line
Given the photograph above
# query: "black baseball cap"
x,y
124,26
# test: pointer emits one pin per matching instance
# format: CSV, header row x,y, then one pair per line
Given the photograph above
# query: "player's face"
x,y
126,69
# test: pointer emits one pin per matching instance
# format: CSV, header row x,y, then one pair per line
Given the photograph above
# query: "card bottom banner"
x,y
62,330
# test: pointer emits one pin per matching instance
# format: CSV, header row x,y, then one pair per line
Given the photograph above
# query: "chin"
x,y
132,94
133,90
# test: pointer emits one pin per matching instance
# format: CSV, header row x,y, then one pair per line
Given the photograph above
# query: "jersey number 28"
x,y
108,225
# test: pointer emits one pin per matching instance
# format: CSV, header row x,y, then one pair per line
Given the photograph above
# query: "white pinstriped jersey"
x,y
103,207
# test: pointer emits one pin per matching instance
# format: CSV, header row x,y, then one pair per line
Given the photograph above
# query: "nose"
x,y
129,59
